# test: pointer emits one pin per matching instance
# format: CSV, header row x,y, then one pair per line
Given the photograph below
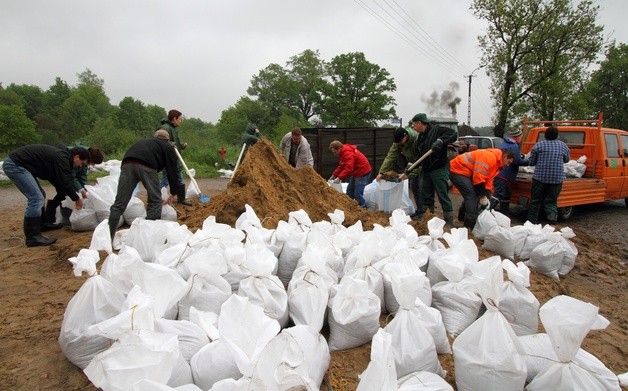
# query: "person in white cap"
x,y
508,174
142,162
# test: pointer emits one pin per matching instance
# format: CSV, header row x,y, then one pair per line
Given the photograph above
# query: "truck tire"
x,y
565,213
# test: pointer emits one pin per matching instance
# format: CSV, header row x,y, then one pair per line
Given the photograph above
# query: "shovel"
x,y
238,162
413,165
201,197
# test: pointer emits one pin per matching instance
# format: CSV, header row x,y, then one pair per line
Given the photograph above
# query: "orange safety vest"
x,y
481,165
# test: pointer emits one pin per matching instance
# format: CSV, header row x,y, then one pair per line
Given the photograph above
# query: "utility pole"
x,y
470,76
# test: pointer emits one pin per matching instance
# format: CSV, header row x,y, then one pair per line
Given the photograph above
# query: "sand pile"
x,y
273,189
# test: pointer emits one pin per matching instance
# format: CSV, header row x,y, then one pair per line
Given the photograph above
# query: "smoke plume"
x,y
443,104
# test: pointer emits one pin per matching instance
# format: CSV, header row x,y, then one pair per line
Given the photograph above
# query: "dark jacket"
x,y
49,163
407,152
250,137
509,173
157,154
437,159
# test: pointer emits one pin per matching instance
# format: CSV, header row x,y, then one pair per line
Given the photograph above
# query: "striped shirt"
x,y
549,157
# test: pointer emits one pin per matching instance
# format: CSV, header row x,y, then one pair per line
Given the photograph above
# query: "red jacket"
x,y
481,166
352,163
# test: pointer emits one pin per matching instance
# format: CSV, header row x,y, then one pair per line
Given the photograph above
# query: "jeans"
x,y
28,185
164,180
355,188
544,195
437,182
469,207
130,175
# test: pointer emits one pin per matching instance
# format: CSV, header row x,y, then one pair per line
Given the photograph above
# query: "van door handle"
x,y
606,162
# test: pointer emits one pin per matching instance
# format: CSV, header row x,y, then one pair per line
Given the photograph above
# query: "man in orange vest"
x,y
472,173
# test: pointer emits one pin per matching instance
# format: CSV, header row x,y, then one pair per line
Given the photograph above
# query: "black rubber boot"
x,y
32,231
65,216
181,196
49,216
504,207
449,219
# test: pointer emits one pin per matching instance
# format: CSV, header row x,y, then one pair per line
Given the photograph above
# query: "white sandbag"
x,y
212,363
353,315
206,261
294,240
547,257
101,238
380,374
191,337
336,186
134,356
304,352
567,321
134,209
118,268
388,196
150,385
537,235
423,381
373,278
146,236
268,292
402,269
165,285
458,304
247,331
413,345
436,229
308,295
168,213
96,301
84,219
517,303
500,240
487,354
540,355
205,294
241,384
484,224
571,251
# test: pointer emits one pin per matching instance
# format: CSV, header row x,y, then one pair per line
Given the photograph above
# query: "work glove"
x,y
484,203
437,146
407,169
331,178
337,180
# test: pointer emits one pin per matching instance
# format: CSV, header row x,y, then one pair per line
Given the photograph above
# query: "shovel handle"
x,y
428,153
239,159
186,168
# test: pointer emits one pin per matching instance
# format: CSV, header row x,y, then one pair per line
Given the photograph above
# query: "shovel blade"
x,y
203,199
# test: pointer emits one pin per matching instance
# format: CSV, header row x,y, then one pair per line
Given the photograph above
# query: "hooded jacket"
x,y
157,154
352,163
437,159
408,151
250,137
481,166
509,173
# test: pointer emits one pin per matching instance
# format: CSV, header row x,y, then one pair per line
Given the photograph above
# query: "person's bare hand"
x,y
78,204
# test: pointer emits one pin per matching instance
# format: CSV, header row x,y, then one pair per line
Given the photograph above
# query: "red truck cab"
x,y
606,175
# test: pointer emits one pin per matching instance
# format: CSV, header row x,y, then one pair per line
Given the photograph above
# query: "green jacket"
x,y
250,137
402,155
174,137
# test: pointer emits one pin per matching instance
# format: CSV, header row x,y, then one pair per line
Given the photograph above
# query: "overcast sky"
x,y
199,55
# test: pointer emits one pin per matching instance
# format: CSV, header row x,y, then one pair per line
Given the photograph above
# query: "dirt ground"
x,y
37,283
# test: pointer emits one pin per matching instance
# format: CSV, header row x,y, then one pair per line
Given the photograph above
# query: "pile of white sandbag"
x,y
542,248
228,308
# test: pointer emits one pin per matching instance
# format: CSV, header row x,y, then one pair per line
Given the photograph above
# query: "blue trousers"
x,y
355,188
28,185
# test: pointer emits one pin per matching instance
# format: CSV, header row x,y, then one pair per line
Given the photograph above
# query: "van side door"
x,y
624,149
613,165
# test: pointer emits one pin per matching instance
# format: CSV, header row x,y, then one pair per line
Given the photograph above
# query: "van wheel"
x,y
565,213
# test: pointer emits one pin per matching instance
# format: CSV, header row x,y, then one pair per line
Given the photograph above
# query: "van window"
x,y
574,140
624,143
612,145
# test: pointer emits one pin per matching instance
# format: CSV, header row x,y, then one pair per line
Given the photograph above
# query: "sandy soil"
x,y
37,283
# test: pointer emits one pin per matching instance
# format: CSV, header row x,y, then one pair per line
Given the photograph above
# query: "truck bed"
x,y
575,191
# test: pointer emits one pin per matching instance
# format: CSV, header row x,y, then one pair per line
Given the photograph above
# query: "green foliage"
x,y
111,139
17,128
132,114
233,121
608,88
77,119
536,53
358,94
32,98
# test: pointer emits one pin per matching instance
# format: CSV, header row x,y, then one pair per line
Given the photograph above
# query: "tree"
x,y
608,88
32,98
294,90
111,139
233,121
536,51
92,89
17,128
358,94
131,114
77,119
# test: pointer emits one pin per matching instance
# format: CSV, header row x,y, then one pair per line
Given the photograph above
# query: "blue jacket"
x,y
509,173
